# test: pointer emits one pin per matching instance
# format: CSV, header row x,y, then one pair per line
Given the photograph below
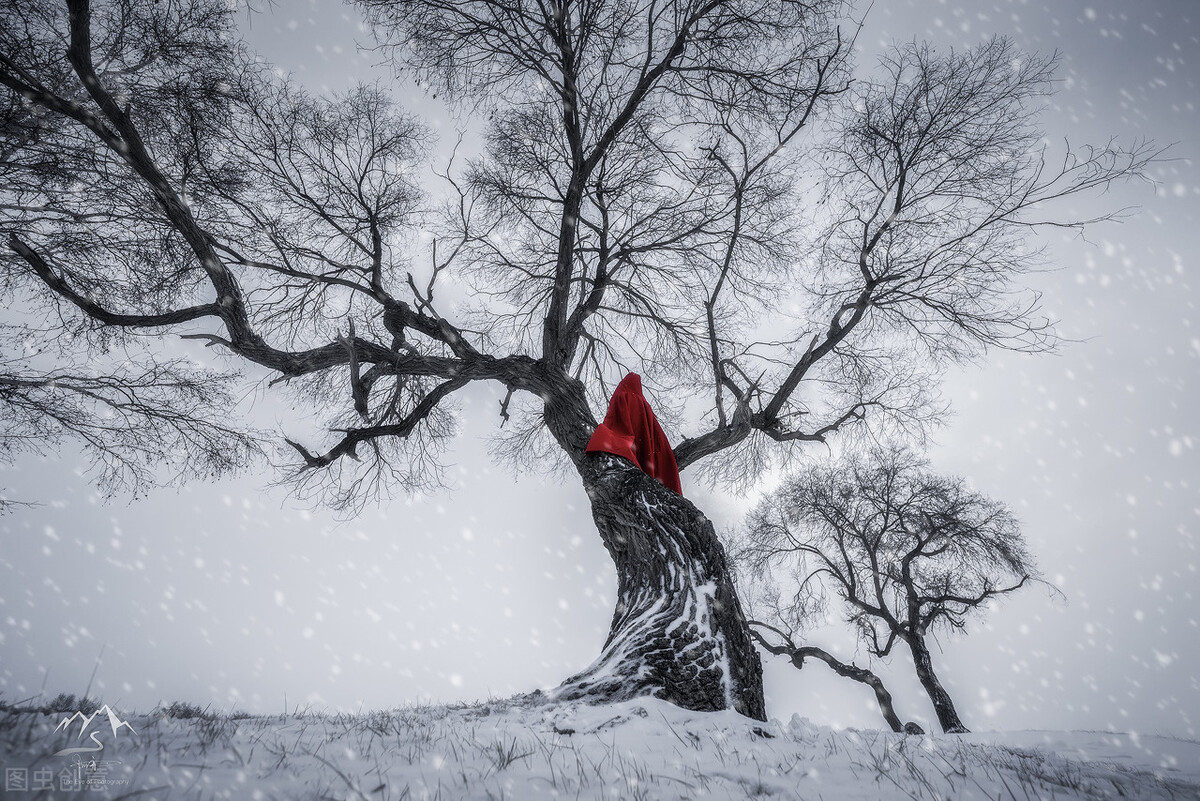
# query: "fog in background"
x,y
235,595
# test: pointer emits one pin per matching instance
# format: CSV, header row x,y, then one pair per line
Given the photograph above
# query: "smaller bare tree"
x,y
906,551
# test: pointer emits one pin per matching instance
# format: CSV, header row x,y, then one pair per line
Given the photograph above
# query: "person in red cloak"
x,y
631,430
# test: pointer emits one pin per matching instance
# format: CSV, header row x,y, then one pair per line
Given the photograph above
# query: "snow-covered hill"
x,y
524,750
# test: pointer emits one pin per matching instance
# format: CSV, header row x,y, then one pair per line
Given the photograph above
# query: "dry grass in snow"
x,y
525,750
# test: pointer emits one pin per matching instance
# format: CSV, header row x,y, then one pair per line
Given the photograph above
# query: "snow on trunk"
x,y
678,632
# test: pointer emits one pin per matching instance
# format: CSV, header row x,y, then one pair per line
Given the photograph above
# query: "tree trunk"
x,y
678,632
942,705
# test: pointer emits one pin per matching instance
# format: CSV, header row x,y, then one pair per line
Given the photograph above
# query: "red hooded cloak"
x,y
631,430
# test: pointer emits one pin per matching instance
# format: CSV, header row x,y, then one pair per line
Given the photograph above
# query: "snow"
x,y
525,748
1126,297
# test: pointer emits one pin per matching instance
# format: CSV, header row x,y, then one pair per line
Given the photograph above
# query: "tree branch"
x,y
348,446
847,670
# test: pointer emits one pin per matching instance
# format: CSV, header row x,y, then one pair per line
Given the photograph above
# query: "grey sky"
x,y
234,595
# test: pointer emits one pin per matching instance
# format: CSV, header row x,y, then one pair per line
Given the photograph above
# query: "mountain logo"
x,y
85,722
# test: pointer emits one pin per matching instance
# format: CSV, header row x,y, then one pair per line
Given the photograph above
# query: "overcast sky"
x,y
234,595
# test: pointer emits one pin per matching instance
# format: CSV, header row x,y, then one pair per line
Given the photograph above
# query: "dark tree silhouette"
x,y
644,201
905,551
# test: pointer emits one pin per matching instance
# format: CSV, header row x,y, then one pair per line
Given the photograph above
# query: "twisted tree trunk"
x,y
942,704
678,631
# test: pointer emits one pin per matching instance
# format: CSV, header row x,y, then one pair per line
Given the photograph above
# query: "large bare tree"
x,y
689,189
904,551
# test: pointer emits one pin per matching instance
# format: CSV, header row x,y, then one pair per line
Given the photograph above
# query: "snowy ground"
x,y
523,751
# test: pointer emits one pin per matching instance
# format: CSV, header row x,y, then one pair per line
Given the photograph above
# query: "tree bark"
x,y
678,632
943,706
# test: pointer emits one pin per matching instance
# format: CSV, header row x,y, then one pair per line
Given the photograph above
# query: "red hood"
x,y
631,430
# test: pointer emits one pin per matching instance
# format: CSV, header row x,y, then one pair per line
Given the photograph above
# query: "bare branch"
x,y
348,446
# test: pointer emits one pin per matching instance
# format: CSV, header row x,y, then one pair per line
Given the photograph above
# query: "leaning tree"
x,y
693,190
905,552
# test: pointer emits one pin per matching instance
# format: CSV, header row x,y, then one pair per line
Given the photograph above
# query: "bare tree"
x,y
643,203
906,552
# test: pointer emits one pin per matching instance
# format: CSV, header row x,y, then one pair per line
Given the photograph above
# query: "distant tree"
x,y
692,190
905,552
